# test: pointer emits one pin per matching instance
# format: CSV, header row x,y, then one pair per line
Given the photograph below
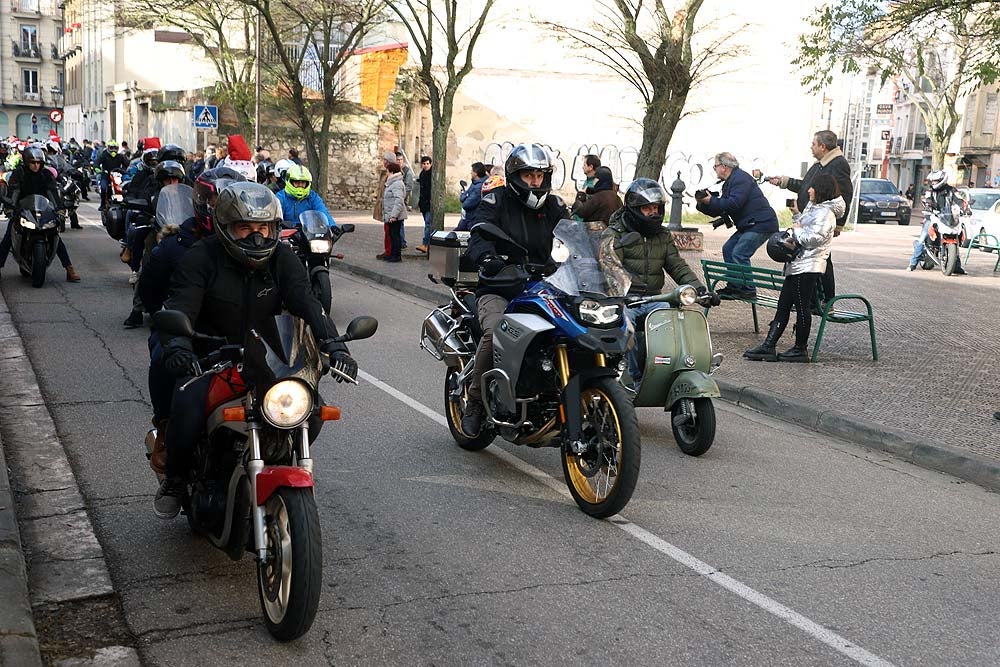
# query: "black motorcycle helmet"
x,y
171,152
248,202
32,154
529,157
150,157
643,192
206,190
779,249
169,169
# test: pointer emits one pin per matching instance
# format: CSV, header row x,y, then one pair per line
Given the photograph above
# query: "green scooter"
x,y
678,367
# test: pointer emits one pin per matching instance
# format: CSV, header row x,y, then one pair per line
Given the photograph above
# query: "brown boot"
x,y
126,255
71,275
158,459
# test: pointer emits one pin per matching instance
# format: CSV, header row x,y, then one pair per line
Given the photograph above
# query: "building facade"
x,y
31,68
980,161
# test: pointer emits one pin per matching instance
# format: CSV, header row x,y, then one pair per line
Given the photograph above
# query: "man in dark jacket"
x,y
527,212
829,160
743,202
228,284
110,159
601,201
424,204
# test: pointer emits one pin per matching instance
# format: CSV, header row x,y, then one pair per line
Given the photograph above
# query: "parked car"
x,y
879,200
983,202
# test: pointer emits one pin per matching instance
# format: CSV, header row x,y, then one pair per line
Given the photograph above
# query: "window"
x,y
29,40
29,79
990,114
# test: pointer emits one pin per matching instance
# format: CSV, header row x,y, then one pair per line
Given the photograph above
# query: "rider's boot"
x,y
472,420
765,351
71,275
158,457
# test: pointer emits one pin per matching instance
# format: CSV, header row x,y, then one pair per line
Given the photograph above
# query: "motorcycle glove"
x,y
713,300
343,367
491,265
179,358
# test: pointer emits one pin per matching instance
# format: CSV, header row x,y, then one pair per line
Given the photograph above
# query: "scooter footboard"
x,y
273,478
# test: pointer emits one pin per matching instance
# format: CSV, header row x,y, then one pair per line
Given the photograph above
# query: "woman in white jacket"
x,y
813,234
394,209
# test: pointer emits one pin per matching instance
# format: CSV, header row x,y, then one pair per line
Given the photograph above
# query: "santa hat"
x,y
238,149
150,142
54,136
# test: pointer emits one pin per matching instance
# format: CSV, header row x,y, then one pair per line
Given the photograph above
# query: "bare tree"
x,y
649,46
224,29
937,50
434,27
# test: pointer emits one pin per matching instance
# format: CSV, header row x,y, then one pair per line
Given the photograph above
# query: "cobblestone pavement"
x,y
937,373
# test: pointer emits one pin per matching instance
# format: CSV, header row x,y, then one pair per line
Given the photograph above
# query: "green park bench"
x,y
771,281
987,242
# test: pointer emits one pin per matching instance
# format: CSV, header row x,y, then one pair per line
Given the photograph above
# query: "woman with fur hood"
x,y
812,232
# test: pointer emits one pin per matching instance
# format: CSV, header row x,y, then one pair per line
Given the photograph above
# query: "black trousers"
x,y
798,291
828,281
395,240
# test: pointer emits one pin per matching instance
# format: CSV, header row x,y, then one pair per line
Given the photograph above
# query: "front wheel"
x,y
693,423
602,478
39,262
454,408
322,290
949,261
290,580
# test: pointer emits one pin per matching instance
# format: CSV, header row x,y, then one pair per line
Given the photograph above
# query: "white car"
x,y
985,213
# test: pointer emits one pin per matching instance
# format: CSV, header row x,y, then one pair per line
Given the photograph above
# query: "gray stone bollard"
x,y
684,238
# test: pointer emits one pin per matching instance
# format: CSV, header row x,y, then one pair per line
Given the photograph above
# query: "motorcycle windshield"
x,y
174,205
38,207
285,348
580,273
314,225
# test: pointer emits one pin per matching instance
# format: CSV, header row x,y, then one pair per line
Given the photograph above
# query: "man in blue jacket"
x,y
745,205
298,197
471,196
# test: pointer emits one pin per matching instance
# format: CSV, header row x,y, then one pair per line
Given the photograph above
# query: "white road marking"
x,y
770,605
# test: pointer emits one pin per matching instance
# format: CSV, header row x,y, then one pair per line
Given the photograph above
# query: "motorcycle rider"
x,y
527,211
109,160
55,159
297,197
32,178
943,200
228,284
637,241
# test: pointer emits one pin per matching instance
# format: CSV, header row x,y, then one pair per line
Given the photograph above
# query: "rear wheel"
x,y
949,259
693,423
290,581
39,263
602,478
454,409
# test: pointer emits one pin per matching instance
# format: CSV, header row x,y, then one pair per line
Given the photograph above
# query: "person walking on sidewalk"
x,y
829,160
394,209
425,199
813,235
743,202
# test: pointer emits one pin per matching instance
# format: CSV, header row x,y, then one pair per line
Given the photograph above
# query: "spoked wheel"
x,y
603,477
289,582
693,423
454,409
949,259
38,265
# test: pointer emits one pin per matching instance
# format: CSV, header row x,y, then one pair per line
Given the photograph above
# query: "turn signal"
x,y
234,414
329,413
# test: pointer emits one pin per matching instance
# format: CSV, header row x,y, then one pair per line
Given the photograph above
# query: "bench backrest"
x,y
757,276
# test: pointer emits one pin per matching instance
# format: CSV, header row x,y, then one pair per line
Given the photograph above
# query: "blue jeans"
x,y
740,248
427,227
918,245
636,356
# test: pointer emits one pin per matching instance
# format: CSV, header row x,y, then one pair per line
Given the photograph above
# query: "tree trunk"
x,y
658,125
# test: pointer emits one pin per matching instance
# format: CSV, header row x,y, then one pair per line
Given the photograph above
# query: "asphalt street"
x,y
778,547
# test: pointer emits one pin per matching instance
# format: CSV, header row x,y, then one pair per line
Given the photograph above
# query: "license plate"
x,y
887,214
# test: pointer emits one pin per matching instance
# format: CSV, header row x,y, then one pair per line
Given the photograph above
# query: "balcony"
x,y
27,52
29,99
25,7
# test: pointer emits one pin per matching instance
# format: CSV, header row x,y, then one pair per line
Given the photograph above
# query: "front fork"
x,y
570,409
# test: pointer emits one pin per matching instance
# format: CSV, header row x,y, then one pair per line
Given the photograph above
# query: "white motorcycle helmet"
x,y
281,168
937,179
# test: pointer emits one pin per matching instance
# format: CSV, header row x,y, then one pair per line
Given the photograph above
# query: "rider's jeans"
x,y
636,355
490,309
187,419
918,245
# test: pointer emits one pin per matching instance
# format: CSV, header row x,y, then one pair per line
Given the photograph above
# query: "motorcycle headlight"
x,y
27,224
688,295
320,246
593,312
287,404
560,253
50,224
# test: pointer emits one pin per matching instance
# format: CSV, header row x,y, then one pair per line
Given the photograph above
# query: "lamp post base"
x,y
688,238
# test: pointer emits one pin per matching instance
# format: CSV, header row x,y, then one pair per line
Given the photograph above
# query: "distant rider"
x,y
946,202
109,160
297,197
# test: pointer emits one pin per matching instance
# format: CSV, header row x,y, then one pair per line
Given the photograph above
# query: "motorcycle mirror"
x,y
493,230
346,228
173,322
361,327
464,184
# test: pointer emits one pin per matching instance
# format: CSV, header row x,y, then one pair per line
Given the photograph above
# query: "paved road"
x,y
437,556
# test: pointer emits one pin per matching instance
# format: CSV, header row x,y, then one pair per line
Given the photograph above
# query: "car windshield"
x,y
878,187
982,201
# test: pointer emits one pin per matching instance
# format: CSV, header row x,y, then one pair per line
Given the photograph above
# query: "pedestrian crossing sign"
x,y
206,117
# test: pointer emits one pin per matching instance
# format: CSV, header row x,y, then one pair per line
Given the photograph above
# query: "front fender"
x,y
273,478
691,384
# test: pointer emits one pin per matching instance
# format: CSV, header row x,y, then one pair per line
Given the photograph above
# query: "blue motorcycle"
x,y
554,381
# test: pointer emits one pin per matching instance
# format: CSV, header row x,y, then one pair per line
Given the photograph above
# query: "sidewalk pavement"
x,y
930,397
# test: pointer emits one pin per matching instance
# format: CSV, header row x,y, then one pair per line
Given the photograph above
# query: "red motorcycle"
x,y
251,483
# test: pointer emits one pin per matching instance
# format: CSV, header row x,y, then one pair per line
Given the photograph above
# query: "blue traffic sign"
x,y
206,117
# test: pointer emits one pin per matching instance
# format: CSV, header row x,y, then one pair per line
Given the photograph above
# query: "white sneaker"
x,y
134,278
911,267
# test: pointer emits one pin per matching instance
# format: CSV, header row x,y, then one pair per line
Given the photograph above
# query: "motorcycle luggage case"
x,y
446,253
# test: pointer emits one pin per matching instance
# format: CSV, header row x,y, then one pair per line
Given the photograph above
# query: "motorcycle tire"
x,y
39,263
453,411
949,261
322,290
928,264
693,422
588,475
290,582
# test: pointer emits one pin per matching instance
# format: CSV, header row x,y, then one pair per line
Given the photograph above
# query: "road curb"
x,y
913,449
920,451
